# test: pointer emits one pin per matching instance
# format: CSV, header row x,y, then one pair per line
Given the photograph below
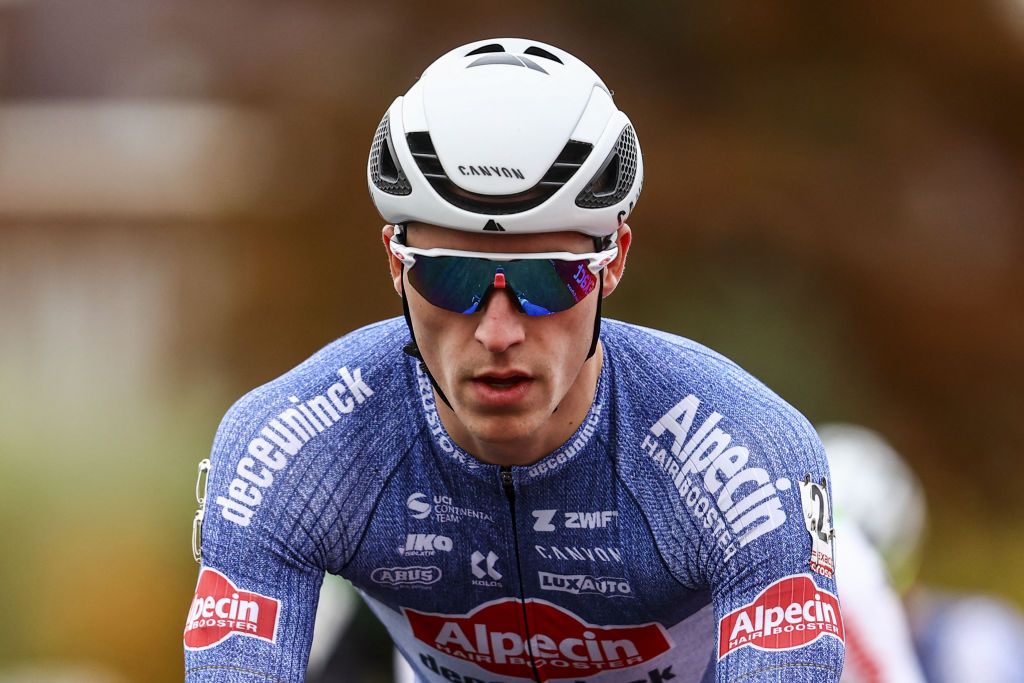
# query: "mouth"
x,y
500,389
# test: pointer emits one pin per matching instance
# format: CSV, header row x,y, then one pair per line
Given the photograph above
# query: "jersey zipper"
x,y
510,495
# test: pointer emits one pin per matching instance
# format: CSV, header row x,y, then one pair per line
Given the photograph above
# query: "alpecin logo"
x,y
791,613
220,610
563,645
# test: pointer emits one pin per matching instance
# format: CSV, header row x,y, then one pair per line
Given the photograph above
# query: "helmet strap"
x,y
412,349
599,245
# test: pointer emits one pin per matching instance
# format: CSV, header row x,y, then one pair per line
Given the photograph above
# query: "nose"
x,y
502,324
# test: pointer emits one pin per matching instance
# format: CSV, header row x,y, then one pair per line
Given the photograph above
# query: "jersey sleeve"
x,y
772,583
251,618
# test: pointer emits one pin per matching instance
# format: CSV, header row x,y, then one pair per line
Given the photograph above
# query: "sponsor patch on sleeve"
x,y
790,613
220,609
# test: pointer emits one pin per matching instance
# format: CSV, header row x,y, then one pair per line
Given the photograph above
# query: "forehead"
x,y
429,236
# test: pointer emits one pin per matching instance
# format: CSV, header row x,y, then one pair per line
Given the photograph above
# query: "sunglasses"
x,y
542,283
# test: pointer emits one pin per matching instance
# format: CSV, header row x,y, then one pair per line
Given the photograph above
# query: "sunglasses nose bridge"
x,y
499,278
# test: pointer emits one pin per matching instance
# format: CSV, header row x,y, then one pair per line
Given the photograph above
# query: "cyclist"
x,y
879,511
881,516
520,490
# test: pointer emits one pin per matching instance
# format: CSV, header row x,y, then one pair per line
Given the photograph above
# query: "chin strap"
x,y
599,245
597,319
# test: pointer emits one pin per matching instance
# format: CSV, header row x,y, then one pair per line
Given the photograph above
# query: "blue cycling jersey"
x,y
674,536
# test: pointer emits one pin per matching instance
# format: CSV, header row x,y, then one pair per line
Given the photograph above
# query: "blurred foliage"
x,y
833,200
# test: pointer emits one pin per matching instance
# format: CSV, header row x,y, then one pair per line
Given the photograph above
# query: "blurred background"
x,y
833,199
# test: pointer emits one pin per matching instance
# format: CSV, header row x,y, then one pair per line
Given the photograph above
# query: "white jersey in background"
x,y
879,648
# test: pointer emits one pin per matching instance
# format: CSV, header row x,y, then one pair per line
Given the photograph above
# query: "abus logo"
x,y
406,576
584,583
790,613
220,609
424,544
562,644
418,505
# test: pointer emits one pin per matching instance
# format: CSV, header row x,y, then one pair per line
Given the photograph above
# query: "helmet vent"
x,y
541,52
508,60
492,47
422,148
385,172
564,167
616,176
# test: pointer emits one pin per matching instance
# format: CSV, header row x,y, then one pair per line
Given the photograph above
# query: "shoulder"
x,y
326,425
678,376
346,372
724,449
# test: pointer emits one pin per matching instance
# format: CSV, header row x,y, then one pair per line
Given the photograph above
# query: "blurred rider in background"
x,y
880,519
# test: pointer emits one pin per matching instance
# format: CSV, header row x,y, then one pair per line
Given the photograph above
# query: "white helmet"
x,y
507,135
876,490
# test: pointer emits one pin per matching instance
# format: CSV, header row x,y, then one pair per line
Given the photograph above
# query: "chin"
x,y
502,428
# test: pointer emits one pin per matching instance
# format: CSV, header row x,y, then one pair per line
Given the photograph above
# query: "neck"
x,y
560,425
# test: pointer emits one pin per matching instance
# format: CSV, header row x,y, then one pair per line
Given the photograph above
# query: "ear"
x,y
613,271
394,263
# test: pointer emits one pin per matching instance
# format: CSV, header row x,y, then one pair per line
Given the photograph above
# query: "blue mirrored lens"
x,y
542,286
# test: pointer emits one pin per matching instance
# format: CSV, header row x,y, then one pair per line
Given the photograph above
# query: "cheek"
x,y
436,329
569,333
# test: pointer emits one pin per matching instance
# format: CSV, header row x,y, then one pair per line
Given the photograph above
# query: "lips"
x,y
501,388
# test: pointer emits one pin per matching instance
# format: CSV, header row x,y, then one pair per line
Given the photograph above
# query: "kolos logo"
x,y
220,610
563,645
790,613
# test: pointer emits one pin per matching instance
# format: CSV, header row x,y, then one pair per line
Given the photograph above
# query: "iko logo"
x,y
406,576
424,544
584,583
418,505
489,570
574,520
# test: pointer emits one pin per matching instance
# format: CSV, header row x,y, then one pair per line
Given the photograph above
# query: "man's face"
x,y
504,372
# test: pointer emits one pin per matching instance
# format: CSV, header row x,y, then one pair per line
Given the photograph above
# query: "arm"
x,y
251,618
772,583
